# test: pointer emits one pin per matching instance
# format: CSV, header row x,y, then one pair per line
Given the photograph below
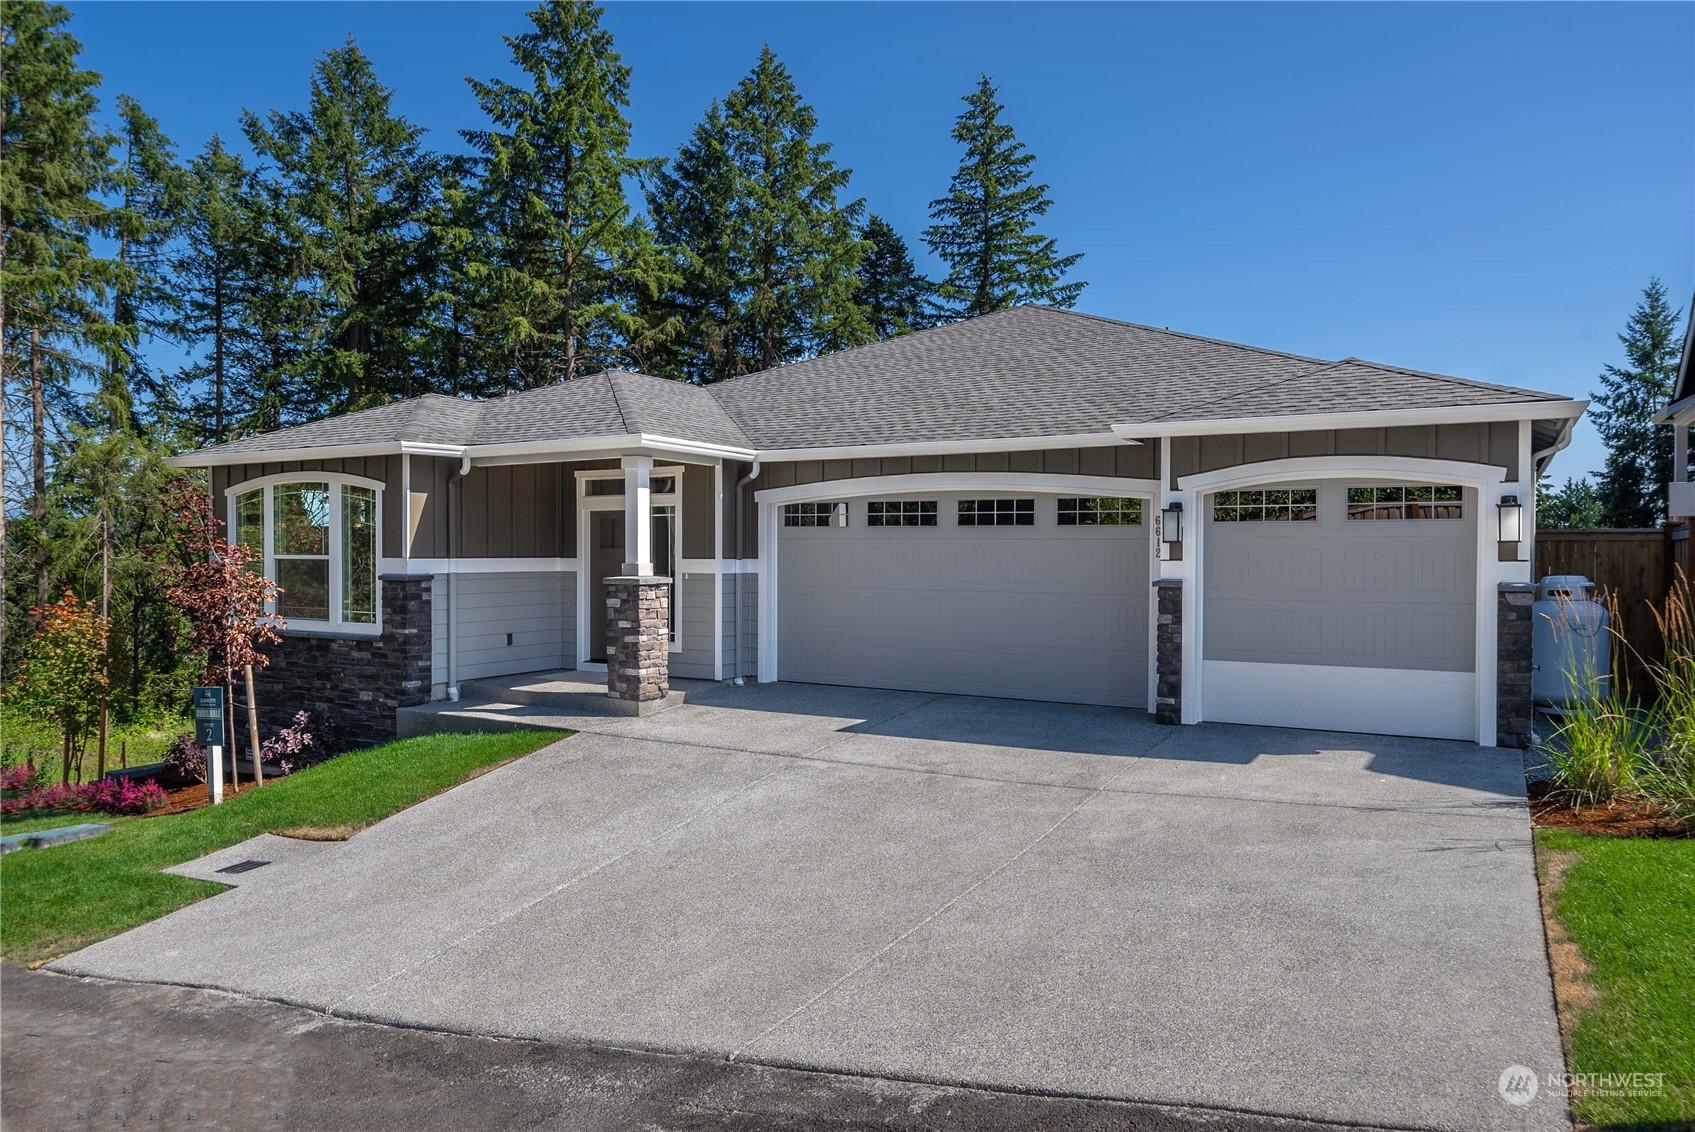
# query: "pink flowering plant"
x,y
107,796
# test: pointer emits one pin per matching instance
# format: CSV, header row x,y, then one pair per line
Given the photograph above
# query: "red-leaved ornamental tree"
x,y
221,589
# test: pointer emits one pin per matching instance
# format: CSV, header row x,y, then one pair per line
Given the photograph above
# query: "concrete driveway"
x,y
1011,895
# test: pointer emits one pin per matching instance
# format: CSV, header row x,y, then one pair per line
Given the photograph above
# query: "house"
x,y
1035,503
1680,414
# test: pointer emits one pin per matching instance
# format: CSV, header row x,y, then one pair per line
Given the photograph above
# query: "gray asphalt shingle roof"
x,y
1025,372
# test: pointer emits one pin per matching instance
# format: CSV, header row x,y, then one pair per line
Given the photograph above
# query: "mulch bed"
x,y
181,799
1615,819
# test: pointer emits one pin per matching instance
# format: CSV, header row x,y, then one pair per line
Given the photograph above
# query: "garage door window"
x,y
1272,505
1103,512
900,513
997,512
1406,501
815,515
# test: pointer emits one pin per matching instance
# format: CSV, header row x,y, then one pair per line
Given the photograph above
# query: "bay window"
x,y
317,535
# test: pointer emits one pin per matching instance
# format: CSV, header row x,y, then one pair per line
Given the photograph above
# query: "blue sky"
x,y
1473,189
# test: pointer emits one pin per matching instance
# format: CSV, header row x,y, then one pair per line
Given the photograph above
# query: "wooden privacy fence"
x,y
1637,567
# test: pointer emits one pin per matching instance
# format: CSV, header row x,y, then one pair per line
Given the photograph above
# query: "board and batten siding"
x,y
1494,443
1128,461
383,469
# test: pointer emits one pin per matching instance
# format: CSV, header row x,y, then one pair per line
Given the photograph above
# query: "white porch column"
x,y
1680,450
638,515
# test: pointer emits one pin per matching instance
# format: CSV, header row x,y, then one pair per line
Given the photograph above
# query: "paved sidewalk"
x,y
968,892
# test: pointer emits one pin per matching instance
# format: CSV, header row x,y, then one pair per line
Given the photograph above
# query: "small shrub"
x,y
295,744
186,758
108,796
1597,754
18,779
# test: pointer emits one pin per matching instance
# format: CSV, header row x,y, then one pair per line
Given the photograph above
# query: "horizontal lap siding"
x,y
538,609
749,625
695,627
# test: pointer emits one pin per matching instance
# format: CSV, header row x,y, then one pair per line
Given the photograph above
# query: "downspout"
x,y
455,486
741,543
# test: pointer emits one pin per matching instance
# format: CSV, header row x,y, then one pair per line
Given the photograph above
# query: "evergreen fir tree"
x,y
1573,505
353,182
895,297
984,229
766,253
1633,482
153,194
54,287
568,260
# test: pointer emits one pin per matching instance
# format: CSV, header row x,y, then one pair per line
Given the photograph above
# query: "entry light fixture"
x,y
1171,523
1510,514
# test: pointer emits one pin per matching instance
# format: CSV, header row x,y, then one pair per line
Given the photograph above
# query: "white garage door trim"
x,y
771,500
1488,480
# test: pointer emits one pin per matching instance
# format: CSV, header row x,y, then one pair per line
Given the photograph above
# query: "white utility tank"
x,y
1570,646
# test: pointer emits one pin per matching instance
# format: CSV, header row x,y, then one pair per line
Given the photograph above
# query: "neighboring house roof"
x,y
1683,390
1030,371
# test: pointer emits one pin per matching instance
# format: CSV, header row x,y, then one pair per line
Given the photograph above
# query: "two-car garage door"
x,y
1342,606
1019,595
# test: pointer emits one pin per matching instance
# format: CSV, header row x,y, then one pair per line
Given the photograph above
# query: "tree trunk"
x,y
218,355
38,465
65,758
105,616
229,728
253,732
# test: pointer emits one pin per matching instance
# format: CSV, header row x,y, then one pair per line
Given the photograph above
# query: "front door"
x,y
606,560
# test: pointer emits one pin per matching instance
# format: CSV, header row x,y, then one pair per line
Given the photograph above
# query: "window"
x,y
900,513
997,512
815,514
1272,505
1105,512
318,541
1407,501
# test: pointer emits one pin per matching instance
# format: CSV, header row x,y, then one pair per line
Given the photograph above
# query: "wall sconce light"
x,y
1171,524
1510,515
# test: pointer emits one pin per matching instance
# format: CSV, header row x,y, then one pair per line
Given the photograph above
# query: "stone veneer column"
x,y
638,641
1168,651
1512,664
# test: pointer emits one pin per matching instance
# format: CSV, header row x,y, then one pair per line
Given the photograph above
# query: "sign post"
x,y
209,733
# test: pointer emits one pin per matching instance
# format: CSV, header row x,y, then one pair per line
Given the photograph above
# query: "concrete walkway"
x,y
967,892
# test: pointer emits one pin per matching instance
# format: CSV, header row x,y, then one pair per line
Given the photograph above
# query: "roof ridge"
x,y
1471,383
1248,389
1178,333
617,402
907,337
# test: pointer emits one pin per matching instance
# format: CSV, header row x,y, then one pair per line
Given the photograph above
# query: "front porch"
x,y
555,700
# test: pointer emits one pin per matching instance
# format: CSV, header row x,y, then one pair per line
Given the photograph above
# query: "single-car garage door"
x,y
1345,606
1021,595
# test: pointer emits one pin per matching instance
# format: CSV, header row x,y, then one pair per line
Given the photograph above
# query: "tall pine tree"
x,y
353,183
984,229
896,298
567,259
54,287
152,192
1632,483
766,253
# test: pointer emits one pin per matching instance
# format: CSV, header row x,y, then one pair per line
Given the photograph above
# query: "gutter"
x,y
736,604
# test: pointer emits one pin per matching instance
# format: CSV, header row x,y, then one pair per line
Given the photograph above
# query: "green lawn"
x,y
1630,905
56,900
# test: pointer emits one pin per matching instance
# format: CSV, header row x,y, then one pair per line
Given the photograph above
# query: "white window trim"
x,y
335,481
587,503
770,522
1488,480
